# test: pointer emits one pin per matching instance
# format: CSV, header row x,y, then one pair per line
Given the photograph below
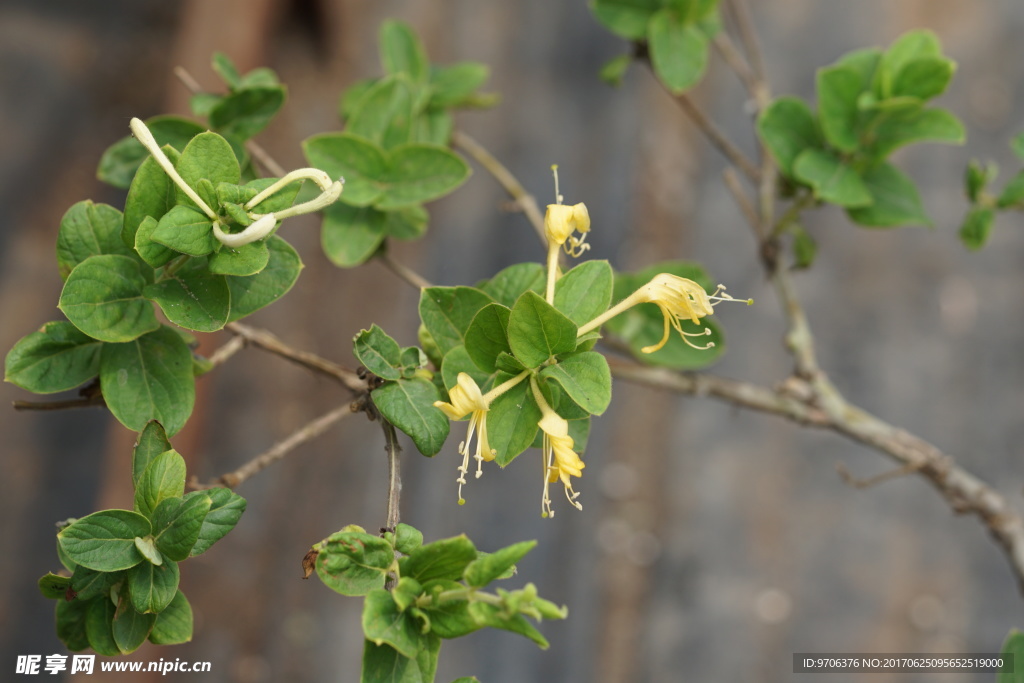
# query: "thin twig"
x,y
394,473
847,476
509,182
748,36
69,404
226,351
403,271
268,342
735,187
717,137
736,62
278,450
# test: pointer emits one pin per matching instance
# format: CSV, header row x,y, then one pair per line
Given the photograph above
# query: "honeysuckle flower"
x,y
560,460
467,399
678,298
263,224
560,223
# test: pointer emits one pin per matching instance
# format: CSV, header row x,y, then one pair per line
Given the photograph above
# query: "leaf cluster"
x,y
123,564
985,204
393,151
438,591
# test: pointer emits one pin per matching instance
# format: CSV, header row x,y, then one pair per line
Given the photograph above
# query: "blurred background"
x,y
713,542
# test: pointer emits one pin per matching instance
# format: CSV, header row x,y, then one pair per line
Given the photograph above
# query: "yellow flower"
x,y
466,398
679,298
561,221
560,460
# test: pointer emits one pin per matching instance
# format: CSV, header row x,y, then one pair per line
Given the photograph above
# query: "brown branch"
x,y
737,62
394,473
69,404
963,491
278,450
524,200
870,482
717,138
226,351
268,342
403,271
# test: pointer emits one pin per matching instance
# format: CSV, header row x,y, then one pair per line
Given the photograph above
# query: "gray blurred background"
x,y
713,542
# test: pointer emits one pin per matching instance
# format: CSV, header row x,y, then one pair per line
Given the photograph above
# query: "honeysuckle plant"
x,y
519,355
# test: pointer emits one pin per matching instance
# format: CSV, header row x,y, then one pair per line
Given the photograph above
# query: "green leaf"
x,y
350,235
401,51
86,230
537,331
153,253
185,230
585,377
89,583
152,587
243,114
839,88
385,624
164,477
71,623
1012,195
457,360
383,664
209,157
1013,648
487,336
625,18
378,352
251,293
448,311
1017,146
419,173
384,114
831,178
99,627
453,85
585,292
896,201
409,223
121,161
152,442
485,569
193,297
152,194
226,69
976,227
362,163
407,538
804,247
912,45
56,358
679,50
923,78
614,70
177,523
510,283
451,618
173,625
409,405
512,422
242,261
496,617
788,127
105,540
149,379
147,547
444,559
103,298
917,125
53,586
226,509
130,628
354,562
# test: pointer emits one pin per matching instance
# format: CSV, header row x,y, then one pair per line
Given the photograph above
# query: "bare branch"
x,y
394,473
278,450
513,187
90,402
717,138
403,271
268,342
964,492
